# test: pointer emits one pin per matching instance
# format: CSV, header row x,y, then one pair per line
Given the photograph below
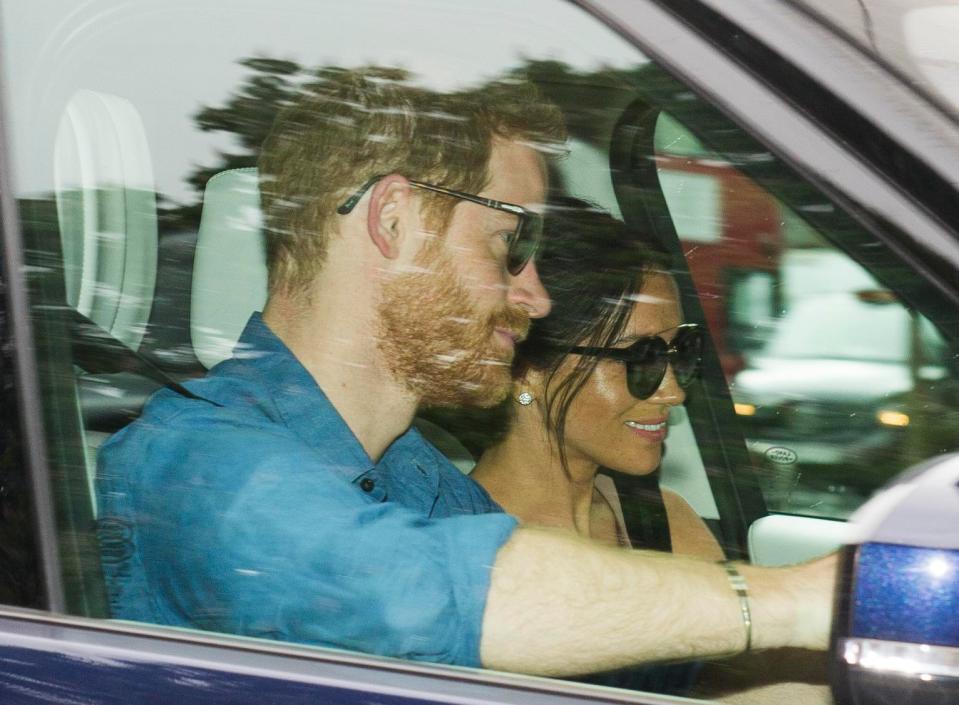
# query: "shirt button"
x,y
367,484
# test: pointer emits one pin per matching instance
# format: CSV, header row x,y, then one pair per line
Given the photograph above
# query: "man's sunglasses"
x,y
646,359
523,243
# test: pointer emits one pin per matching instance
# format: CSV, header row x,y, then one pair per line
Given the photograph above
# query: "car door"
x,y
683,116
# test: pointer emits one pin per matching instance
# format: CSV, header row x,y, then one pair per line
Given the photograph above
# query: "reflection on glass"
x,y
837,385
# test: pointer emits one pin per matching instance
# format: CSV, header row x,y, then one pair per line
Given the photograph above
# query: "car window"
x,y
837,381
136,131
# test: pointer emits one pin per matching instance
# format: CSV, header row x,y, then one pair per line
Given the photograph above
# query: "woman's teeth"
x,y
647,426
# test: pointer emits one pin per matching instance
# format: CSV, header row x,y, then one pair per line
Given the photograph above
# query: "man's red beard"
x,y
436,342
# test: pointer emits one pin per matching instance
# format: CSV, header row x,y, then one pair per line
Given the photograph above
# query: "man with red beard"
x,y
288,498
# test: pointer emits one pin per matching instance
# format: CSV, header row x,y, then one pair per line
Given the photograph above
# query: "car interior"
x,y
110,272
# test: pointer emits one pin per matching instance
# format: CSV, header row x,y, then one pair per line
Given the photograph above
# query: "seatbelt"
x,y
96,351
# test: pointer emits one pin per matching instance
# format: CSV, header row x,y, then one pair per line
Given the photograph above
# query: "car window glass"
x,y
837,382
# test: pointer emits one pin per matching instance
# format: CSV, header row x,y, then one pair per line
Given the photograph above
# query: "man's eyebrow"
x,y
497,216
503,215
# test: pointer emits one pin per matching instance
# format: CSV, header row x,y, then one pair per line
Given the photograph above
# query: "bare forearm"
x,y
560,605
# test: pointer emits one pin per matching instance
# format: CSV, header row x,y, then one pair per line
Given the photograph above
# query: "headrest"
x,y
106,208
229,268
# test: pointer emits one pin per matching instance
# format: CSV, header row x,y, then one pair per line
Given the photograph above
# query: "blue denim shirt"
x,y
256,511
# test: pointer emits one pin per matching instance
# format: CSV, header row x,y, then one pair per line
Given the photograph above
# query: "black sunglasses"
x,y
646,359
523,243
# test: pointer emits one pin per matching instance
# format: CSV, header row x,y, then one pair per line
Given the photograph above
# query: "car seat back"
x,y
107,218
229,267
106,208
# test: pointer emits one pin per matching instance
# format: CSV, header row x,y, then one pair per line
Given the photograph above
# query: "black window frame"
x,y
29,436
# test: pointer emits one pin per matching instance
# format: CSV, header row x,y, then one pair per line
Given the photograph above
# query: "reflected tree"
x,y
591,101
247,115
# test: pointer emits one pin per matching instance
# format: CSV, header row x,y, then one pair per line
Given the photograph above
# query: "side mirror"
x,y
895,634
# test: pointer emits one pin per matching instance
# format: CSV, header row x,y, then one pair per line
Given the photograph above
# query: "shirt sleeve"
x,y
252,532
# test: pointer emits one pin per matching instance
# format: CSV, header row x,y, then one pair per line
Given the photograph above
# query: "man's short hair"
x,y
352,125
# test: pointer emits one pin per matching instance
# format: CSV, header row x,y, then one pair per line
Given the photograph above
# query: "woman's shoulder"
x,y
607,520
687,530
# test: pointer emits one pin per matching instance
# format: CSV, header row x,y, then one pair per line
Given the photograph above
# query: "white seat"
x,y
107,217
782,539
106,206
229,267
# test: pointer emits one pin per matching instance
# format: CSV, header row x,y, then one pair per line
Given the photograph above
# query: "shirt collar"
x,y
413,451
304,407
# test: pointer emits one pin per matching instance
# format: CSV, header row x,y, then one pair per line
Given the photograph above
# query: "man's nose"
x,y
527,291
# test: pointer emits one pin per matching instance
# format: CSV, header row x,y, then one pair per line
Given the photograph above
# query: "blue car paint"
x,y
904,576
52,659
29,676
908,594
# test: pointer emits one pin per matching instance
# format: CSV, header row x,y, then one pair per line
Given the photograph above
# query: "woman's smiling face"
x,y
606,425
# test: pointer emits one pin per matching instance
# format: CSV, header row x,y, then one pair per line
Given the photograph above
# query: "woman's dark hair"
x,y
591,265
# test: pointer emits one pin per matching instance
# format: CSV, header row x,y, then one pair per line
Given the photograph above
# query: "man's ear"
x,y
390,202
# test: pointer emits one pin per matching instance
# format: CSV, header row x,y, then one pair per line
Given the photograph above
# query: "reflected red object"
x,y
750,240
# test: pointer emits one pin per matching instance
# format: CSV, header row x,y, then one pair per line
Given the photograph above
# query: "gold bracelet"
x,y
738,583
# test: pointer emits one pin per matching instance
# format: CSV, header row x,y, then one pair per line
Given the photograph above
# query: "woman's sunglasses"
x,y
646,359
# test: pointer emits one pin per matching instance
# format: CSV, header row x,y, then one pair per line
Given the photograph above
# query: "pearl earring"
x,y
525,398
